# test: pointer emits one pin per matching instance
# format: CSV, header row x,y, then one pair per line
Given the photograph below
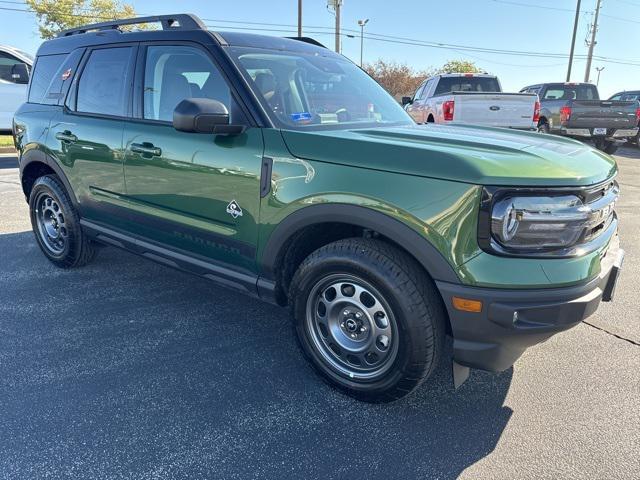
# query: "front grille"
x,y
601,200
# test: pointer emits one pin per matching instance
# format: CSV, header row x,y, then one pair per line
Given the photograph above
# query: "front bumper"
x,y
513,320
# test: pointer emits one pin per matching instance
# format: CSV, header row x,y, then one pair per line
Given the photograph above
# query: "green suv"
x,y
278,168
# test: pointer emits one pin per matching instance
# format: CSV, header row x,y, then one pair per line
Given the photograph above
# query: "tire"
x,y
56,224
543,128
382,333
606,146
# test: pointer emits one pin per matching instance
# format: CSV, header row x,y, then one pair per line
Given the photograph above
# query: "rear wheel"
x,y
56,224
606,146
543,127
370,321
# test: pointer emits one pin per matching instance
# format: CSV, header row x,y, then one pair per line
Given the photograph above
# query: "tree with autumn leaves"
x,y
400,80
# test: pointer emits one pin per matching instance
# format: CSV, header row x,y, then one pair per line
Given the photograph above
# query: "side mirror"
x,y
204,115
407,101
20,73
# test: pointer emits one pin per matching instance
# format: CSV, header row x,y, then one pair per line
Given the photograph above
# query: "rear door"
x,y
87,133
194,192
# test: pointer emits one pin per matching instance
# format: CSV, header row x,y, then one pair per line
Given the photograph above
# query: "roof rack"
x,y
181,21
309,40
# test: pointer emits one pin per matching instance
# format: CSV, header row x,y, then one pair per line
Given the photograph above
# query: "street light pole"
x,y
599,69
300,18
362,23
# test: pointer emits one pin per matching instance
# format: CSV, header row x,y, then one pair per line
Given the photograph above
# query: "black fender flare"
x,y
35,155
419,247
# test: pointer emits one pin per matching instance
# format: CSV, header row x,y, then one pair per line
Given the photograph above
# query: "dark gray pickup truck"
x,y
575,110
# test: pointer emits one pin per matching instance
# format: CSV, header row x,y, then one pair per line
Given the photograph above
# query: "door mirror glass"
x,y
406,100
204,115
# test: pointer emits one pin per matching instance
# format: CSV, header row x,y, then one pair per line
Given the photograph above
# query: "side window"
x,y
427,88
43,74
12,69
173,73
418,93
616,97
105,82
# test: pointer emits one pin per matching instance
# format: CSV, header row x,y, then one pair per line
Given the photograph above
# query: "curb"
x,y
7,150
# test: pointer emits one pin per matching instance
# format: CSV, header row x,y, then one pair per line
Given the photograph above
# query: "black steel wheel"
x,y
56,224
368,317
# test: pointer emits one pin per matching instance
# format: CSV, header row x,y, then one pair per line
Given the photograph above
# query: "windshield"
x,y
467,84
310,90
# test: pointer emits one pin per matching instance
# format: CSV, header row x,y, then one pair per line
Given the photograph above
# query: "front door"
x,y
194,192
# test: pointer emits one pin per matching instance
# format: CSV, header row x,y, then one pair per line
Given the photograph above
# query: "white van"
x,y
15,68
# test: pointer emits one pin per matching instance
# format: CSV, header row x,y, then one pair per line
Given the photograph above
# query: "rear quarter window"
x,y
43,74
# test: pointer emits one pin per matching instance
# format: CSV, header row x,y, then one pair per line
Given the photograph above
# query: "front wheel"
x,y
368,318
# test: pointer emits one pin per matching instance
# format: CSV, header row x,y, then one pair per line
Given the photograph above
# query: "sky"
x,y
533,26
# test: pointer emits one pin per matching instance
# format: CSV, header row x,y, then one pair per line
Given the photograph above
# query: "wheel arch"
x,y
352,220
33,164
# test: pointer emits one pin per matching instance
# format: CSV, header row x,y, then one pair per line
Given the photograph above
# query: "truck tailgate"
x,y
514,110
602,114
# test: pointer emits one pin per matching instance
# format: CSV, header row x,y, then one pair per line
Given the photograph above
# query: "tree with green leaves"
x,y
459,66
57,15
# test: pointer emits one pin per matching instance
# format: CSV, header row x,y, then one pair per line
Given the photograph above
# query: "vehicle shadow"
x,y
8,161
129,369
630,151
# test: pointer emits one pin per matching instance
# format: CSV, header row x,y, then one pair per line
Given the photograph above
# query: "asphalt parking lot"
x,y
128,369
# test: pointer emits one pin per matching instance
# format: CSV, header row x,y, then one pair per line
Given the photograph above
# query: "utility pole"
x,y
592,43
362,23
299,18
338,5
599,69
573,40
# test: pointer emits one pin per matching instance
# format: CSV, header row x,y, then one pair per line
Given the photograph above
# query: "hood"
x,y
470,154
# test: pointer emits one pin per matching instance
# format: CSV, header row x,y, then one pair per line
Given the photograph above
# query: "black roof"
x,y
174,27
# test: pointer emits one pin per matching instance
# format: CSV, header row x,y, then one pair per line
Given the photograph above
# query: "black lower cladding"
x,y
244,281
513,320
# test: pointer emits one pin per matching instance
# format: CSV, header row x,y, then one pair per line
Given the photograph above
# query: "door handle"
x,y
147,149
66,136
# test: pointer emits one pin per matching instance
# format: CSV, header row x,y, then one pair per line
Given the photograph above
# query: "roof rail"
x,y
181,21
309,40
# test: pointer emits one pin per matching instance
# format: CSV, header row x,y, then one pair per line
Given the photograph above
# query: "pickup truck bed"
x,y
509,110
472,98
575,110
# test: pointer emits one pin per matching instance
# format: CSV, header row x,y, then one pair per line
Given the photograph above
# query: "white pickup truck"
x,y
472,98
15,67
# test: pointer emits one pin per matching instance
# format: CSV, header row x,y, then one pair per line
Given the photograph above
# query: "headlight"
x,y
552,222
533,222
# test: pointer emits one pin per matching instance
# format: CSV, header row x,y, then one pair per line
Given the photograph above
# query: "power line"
x,y
528,5
372,36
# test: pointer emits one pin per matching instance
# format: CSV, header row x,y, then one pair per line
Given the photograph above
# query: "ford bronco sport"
x,y
279,168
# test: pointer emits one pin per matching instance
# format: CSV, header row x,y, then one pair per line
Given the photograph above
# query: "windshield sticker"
x,y
301,117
